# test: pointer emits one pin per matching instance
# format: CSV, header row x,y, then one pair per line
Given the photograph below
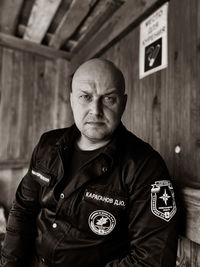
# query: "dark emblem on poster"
x,y
153,54
162,200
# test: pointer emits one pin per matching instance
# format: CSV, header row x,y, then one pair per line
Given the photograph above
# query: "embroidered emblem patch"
x,y
162,200
101,222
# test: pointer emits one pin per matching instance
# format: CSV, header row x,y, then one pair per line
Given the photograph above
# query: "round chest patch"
x,y
101,222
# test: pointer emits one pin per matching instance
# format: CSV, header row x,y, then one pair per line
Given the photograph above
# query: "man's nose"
x,y
96,107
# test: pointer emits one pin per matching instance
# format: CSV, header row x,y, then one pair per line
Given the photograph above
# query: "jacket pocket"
x,y
99,212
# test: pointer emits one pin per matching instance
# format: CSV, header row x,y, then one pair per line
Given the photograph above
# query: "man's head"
x,y
98,100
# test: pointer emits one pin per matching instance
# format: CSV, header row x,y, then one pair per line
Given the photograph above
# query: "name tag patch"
x,y
43,178
163,203
103,198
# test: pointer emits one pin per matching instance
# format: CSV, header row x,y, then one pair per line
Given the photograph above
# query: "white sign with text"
x,y
153,42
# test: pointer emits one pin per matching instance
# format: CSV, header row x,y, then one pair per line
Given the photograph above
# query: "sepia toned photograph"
x,y
99,133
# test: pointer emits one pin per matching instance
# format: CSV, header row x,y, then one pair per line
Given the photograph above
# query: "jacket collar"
x,y
69,137
111,150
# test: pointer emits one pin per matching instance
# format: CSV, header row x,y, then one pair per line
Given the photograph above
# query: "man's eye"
x,y
109,100
85,98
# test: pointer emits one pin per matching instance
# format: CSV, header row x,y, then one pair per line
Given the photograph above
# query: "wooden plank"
x,y
72,19
44,97
25,45
102,11
188,253
26,115
62,109
9,13
193,81
5,109
40,18
15,106
38,99
63,8
128,15
26,11
191,199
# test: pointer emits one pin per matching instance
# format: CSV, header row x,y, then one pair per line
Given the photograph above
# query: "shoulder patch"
x,y
163,203
42,178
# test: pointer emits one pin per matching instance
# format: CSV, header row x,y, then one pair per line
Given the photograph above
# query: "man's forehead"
x,y
100,73
92,86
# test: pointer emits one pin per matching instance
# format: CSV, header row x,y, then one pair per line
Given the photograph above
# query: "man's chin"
x,y
96,135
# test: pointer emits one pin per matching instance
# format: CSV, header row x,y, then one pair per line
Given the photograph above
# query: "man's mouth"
x,y
95,122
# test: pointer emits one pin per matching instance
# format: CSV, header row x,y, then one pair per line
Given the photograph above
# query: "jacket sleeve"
x,y
153,237
21,226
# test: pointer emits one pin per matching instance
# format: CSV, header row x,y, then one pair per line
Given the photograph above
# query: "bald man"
x,y
95,195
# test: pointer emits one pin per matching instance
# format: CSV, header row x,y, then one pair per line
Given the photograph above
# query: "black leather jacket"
x,y
121,212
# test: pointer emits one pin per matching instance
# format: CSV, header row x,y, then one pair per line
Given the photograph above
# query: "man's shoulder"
x,y
134,146
53,137
135,150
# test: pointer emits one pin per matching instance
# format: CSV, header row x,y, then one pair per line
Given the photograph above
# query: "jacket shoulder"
x,y
135,146
53,136
137,151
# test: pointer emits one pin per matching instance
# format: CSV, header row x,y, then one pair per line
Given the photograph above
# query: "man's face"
x,y
97,102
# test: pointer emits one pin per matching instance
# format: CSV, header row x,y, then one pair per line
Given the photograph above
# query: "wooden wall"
x,y
34,98
164,108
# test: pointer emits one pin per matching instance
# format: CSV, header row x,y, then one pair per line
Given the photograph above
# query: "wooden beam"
x,y
24,45
72,19
40,18
129,15
9,13
102,11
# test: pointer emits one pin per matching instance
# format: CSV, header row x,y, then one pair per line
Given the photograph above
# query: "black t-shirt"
x,y
77,160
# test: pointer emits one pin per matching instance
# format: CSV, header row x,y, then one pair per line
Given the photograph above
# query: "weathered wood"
x,y
102,11
72,19
130,13
27,98
34,96
63,8
15,107
9,13
25,45
62,110
188,253
191,198
43,97
26,11
40,18
9,180
6,95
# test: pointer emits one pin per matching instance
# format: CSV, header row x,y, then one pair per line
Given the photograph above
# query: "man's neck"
x,y
86,144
